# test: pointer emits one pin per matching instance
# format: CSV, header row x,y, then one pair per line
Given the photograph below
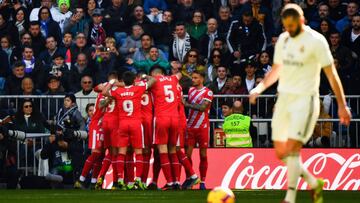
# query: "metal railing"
x,y
261,114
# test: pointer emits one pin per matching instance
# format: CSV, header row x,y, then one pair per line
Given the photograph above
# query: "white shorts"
x,y
295,117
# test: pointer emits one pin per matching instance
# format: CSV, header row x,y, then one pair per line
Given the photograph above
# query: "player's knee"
x,y
203,152
280,154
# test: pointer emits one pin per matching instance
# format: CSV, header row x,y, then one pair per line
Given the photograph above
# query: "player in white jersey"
x,y
300,55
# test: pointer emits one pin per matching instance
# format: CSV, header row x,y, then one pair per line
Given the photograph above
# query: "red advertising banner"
x,y
259,168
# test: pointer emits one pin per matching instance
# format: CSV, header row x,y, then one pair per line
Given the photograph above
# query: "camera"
x,y
17,135
13,134
78,134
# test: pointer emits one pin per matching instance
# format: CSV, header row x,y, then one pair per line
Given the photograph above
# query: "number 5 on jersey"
x,y
169,93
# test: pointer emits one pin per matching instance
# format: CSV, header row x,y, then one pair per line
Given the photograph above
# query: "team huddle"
x,y
141,115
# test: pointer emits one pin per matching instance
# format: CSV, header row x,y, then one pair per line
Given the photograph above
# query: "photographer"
x,y
65,151
8,170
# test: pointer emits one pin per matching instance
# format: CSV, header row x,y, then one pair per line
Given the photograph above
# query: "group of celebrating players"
x,y
145,115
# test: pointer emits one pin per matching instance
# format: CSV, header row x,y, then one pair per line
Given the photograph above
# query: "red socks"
x,y
156,167
119,164
146,166
97,167
105,165
175,167
139,164
129,167
166,166
183,159
89,163
203,168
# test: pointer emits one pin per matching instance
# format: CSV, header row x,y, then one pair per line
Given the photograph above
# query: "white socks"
x,y
308,177
294,170
82,178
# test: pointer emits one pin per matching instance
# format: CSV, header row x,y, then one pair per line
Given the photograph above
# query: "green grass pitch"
x,y
87,196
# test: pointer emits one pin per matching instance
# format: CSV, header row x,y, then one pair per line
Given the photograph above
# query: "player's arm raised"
x,y
104,103
334,80
198,107
150,81
108,86
270,78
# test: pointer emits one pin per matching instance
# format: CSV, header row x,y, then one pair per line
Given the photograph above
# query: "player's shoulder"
x,y
283,37
209,92
191,89
314,36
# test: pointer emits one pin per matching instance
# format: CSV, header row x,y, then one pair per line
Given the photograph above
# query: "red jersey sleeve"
x,y
208,96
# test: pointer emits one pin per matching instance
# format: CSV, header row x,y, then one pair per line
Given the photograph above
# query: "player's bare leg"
x,y
139,164
289,153
165,165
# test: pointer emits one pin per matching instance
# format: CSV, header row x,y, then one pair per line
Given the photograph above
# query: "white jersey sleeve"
x,y
278,59
323,54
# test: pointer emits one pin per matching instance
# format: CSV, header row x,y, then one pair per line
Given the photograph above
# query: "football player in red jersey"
x,y
166,122
147,122
96,137
191,177
199,103
130,129
109,130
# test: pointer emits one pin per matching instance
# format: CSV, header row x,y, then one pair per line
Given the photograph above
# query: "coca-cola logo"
x,y
338,172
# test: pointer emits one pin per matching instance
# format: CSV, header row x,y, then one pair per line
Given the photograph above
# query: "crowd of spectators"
x,y
69,46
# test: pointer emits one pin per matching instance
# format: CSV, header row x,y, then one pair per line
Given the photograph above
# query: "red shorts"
x,y
96,137
197,135
148,130
109,127
166,130
182,133
130,132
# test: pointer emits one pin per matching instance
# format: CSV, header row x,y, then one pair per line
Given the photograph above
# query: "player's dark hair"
x,y
157,69
113,74
201,73
128,78
292,10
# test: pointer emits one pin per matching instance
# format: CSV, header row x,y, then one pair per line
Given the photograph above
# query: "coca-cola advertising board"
x,y
259,168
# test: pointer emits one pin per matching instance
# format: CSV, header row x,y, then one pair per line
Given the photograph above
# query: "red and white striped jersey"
x,y
198,119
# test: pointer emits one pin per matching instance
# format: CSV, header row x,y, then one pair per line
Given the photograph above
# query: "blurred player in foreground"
x,y
300,55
